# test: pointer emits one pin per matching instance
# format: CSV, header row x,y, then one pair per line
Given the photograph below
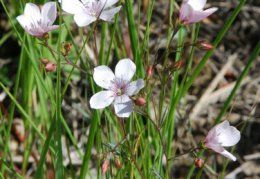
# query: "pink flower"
x,y
118,87
87,11
222,135
38,22
192,11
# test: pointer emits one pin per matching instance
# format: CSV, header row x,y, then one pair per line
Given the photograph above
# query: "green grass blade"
x,y
134,40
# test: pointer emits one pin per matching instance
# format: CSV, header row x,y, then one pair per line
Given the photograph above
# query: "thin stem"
x,y
65,58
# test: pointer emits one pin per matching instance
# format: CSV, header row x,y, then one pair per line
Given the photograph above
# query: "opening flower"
x,y
222,135
36,21
192,11
118,87
87,11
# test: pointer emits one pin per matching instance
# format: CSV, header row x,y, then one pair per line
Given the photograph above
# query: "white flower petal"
x,y
72,6
134,87
227,135
123,106
53,27
109,14
125,70
186,12
108,3
49,13
24,22
33,11
197,4
200,15
104,77
228,155
102,99
83,19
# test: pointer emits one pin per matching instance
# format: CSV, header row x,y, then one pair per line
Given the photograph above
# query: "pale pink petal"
x,y
197,4
125,69
53,27
104,77
72,6
227,135
134,87
49,13
200,15
33,11
108,3
123,106
109,14
37,32
214,146
102,99
84,19
24,21
228,155
186,12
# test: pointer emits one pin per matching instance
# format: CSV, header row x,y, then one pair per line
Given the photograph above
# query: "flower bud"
x,y
177,65
118,162
150,72
140,101
198,162
44,60
104,166
50,66
67,46
203,46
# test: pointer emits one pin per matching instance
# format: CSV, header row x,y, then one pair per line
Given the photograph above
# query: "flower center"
x,y
120,92
93,8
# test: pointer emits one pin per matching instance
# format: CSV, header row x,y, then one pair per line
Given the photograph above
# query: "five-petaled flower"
x,y
87,11
192,11
118,87
222,135
36,21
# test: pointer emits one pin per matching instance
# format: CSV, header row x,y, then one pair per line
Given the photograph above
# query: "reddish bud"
x,y
198,162
67,46
178,64
44,60
50,66
118,162
140,101
104,166
203,46
150,72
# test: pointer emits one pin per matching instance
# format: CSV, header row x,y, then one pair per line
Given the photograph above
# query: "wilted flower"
x,y
87,11
222,135
38,22
192,11
118,87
